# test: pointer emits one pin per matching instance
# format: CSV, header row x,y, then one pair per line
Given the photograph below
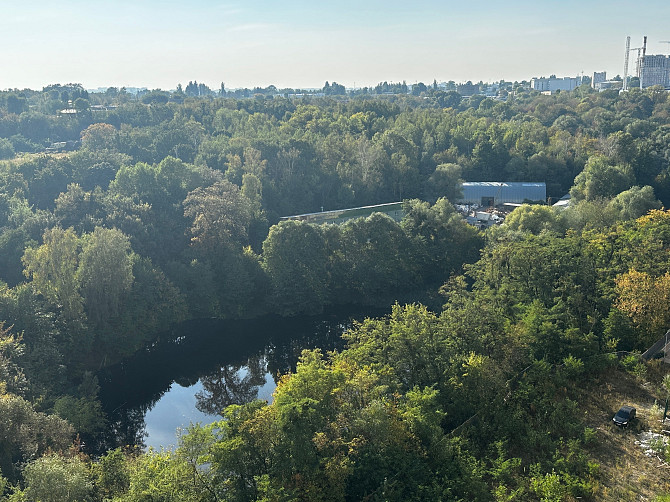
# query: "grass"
x,y
626,473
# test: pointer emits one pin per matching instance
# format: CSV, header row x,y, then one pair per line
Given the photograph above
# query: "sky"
x,y
158,44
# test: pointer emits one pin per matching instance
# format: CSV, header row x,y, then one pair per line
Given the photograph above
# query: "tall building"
x,y
655,71
554,84
598,77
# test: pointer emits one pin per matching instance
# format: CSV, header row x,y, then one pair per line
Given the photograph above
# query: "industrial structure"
x,y
479,195
497,193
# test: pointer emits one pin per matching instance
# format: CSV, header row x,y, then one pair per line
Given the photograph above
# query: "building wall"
x,y
554,84
501,192
598,77
655,71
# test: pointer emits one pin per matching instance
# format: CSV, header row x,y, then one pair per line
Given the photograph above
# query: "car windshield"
x,y
623,414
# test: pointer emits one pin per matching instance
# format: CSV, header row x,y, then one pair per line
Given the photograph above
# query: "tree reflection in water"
x,y
232,359
231,384
126,427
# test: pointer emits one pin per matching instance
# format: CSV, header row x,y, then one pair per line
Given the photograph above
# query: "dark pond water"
x,y
197,369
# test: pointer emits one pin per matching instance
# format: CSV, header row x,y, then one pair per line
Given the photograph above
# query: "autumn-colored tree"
x,y
646,300
100,137
52,268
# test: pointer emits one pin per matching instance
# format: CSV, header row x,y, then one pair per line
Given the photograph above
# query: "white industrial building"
x,y
554,84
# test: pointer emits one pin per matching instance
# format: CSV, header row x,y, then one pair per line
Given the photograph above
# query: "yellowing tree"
x,y
100,137
646,300
52,268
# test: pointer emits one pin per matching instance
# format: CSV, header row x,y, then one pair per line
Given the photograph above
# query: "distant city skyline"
x,y
290,44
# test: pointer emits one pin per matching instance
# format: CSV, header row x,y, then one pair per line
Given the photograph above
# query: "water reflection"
x,y
231,360
231,384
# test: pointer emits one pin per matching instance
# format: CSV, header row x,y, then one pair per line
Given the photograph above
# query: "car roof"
x,y
626,408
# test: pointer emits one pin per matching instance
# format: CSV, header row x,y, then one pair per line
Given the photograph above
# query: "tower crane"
x,y
641,51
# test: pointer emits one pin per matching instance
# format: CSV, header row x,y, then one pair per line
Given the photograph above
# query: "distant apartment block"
x,y
554,84
598,78
655,71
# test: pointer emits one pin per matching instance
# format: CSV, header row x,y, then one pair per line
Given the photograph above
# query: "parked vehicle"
x,y
624,416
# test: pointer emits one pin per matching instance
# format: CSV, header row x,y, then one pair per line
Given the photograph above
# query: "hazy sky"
x,y
158,44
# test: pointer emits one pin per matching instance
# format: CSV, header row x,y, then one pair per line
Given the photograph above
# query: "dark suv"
x,y
624,416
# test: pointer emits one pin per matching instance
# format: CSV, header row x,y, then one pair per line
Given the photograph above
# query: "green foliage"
x,y
221,215
535,219
54,478
443,242
161,476
85,414
445,182
52,268
98,137
165,213
25,434
635,202
295,259
105,273
634,365
6,149
601,179
12,377
111,474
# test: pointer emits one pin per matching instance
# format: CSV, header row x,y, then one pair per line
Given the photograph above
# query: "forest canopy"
x,y
168,207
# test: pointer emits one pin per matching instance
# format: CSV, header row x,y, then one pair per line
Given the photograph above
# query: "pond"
x,y
197,369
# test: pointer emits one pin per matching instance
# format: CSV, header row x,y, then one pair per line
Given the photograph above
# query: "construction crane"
x,y
641,51
625,65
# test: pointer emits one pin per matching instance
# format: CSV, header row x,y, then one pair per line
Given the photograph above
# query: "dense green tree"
x,y
111,474
52,268
373,257
54,478
635,202
16,104
99,136
445,182
535,219
6,149
601,179
295,259
105,273
220,214
12,376
443,242
26,434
